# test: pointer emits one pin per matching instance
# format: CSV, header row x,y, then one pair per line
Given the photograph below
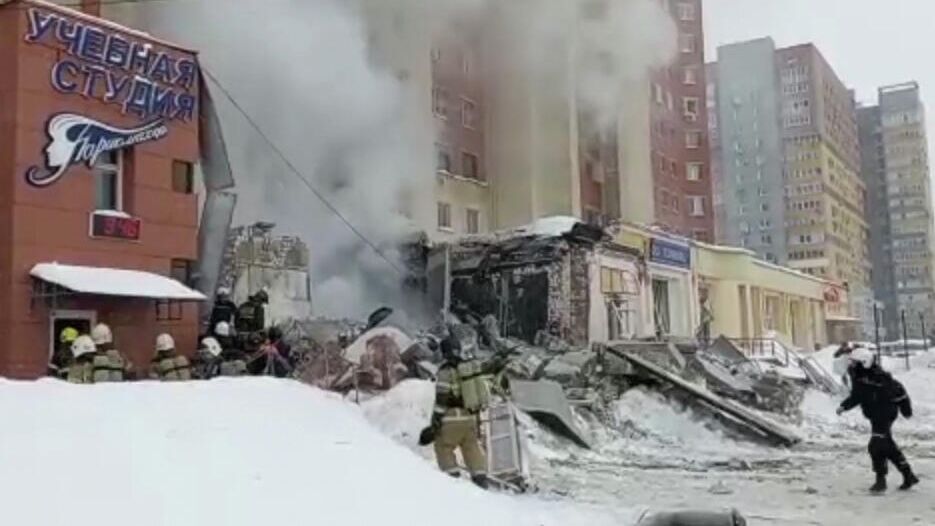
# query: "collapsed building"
x,y
255,259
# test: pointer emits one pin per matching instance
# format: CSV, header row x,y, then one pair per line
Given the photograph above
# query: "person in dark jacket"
x,y
251,316
224,309
273,356
881,399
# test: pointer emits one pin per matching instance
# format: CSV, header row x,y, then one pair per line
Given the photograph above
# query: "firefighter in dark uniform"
x,y
881,398
207,363
251,314
168,365
461,393
224,309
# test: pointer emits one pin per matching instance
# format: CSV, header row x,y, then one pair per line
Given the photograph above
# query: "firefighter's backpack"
x,y
475,388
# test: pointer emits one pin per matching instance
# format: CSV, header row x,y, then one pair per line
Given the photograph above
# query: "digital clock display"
x,y
115,227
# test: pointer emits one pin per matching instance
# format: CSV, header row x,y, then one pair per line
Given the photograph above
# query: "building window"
x,y
693,140
687,43
690,108
182,271
472,221
442,158
108,181
693,171
686,11
183,180
690,75
657,94
696,205
470,166
444,215
468,114
440,102
436,54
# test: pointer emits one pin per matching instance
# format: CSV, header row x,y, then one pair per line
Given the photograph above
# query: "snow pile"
x,y
402,412
239,451
655,427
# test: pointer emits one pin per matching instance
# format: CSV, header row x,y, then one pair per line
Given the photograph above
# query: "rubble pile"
x,y
550,379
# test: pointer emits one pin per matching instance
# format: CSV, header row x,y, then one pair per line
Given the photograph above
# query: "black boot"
x,y
909,478
880,485
481,480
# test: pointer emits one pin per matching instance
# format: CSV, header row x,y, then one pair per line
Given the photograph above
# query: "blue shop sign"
x,y
670,254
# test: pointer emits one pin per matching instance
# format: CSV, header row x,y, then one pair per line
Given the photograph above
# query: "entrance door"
x,y
663,315
82,321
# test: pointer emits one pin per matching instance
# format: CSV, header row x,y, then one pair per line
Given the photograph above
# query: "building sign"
x,y
670,253
108,225
105,64
75,139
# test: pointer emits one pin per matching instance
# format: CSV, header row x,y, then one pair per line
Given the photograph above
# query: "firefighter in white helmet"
x,y
168,364
109,364
207,363
81,369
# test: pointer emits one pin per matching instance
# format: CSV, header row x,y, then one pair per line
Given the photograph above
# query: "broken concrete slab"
x,y
755,424
545,401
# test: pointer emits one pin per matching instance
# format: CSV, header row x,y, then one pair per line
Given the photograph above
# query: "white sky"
x,y
869,43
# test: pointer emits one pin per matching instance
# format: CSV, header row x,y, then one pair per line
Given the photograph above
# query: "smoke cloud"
x,y
306,71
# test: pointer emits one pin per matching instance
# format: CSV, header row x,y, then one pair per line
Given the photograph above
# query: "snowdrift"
x,y
232,452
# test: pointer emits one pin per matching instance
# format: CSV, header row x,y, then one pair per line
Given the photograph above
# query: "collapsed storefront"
x,y
99,135
573,284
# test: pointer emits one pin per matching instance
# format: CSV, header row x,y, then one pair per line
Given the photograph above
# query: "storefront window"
x,y
107,181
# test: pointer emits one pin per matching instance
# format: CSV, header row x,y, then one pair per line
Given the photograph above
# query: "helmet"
x,y
211,345
224,291
164,342
101,334
222,329
262,296
83,345
863,357
68,335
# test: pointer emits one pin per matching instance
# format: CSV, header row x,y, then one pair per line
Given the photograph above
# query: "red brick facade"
x,y
680,154
51,223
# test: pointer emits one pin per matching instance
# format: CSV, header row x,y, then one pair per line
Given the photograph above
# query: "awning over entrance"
x,y
114,282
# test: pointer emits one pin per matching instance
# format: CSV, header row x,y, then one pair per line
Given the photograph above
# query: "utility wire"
x,y
295,171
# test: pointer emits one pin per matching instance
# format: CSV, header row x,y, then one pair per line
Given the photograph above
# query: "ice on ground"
x,y
234,452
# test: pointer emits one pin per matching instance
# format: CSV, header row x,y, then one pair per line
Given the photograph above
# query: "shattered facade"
x,y
530,283
255,259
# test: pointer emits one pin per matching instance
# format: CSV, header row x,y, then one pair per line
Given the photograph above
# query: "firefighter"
x,y
168,364
273,356
108,364
63,357
207,362
81,369
881,399
461,393
224,309
251,314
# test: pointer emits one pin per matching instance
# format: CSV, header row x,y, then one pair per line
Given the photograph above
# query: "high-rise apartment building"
x,y
895,169
789,161
679,116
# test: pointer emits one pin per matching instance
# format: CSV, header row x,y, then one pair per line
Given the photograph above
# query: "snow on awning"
x,y
114,282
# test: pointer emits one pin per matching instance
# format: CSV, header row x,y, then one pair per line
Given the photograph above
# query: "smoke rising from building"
x,y
305,71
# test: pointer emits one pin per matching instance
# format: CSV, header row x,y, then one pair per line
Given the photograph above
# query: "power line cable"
x,y
279,153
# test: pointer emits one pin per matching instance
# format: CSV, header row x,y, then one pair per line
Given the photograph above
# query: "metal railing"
x,y
763,348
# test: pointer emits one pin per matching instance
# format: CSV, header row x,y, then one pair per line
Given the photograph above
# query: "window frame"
x,y
470,213
688,170
190,177
465,101
443,205
477,175
118,169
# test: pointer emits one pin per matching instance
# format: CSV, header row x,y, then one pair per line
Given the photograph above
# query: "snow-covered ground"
x,y
263,451
231,452
664,457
